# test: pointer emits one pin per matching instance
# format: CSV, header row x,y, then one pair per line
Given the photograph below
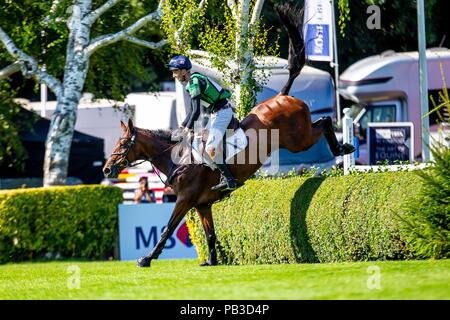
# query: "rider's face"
x,y
180,75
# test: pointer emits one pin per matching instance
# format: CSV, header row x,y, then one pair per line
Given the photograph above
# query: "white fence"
x,y
443,137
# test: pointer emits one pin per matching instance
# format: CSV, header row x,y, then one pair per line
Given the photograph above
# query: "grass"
x,y
184,279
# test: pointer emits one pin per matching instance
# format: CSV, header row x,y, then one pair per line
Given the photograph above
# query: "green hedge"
x,y
71,222
348,218
428,220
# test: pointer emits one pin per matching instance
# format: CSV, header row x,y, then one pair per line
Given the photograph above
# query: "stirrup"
x,y
225,184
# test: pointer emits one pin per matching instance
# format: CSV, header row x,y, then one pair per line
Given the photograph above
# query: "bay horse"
x,y
192,183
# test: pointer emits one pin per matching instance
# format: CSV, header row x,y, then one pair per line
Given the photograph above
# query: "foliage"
x,y
185,14
213,29
69,222
124,67
219,40
128,69
442,107
114,71
317,219
344,15
12,152
428,221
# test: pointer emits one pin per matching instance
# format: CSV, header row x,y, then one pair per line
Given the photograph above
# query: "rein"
x,y
155,169
124,161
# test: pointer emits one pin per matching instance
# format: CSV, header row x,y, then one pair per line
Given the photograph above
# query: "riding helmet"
x,y
179,62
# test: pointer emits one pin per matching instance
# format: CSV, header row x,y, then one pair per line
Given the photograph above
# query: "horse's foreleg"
x,y
180,210
325,125
205,215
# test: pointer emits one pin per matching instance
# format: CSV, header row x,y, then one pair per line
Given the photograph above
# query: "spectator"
x,y
143,194
107,182
169,195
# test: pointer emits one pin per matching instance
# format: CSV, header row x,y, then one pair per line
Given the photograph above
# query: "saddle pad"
x,y
234,144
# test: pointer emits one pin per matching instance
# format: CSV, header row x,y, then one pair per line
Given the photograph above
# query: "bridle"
x,y
123,161
130,142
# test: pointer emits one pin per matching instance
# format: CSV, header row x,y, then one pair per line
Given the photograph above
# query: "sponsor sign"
x,y
140,228
390,141
318,30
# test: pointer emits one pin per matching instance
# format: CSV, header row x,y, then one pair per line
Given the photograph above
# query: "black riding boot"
x,y
227,181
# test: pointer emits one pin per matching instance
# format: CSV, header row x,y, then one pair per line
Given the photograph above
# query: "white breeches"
x,y
217,126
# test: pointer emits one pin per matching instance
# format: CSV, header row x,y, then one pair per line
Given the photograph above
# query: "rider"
x,y
206,94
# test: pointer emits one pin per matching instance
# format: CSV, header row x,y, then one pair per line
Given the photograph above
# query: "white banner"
x,y
140,228
318,30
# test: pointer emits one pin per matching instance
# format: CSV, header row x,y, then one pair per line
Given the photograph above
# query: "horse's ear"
x,y
130,125
123,126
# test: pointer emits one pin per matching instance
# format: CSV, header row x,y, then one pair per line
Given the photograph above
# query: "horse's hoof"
x,y
343,149
144,262
348,148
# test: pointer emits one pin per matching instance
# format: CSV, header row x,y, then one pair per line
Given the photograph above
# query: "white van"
x,y
385,88
154,110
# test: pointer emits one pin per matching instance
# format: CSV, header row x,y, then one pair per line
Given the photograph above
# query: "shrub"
x,y
72,222
349,218
428,221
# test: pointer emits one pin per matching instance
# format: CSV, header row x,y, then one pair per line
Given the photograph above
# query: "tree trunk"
x,y
59,138
60,134
244,92
68,93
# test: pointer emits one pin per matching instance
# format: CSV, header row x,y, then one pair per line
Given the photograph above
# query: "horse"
x,y
192,183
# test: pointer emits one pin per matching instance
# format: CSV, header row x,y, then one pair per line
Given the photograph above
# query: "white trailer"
x,y
385,88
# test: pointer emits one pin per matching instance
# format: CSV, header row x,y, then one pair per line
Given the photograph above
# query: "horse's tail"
x,y
292,18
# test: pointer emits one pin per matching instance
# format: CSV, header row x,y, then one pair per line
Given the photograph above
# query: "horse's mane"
x,y
160,134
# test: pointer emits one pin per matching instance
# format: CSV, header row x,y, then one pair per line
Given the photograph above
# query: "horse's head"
x,y
124,152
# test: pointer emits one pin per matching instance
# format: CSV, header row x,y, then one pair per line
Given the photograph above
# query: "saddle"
x,y
191,151
234,124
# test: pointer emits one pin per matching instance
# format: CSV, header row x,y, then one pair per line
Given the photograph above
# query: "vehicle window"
x,y
435,99
382,113
355,110
366,118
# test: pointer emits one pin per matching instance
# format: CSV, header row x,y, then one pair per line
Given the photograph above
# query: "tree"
x,y
80,43
230,38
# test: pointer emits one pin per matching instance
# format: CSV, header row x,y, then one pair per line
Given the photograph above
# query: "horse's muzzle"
x,y
111,172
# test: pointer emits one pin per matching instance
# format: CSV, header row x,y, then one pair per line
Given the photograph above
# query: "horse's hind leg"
x,y
205,214
325,125
180,210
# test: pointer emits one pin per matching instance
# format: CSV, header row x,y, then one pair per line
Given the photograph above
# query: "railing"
x,y
349,160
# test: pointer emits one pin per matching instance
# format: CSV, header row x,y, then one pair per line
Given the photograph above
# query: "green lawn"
x,y
184,279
